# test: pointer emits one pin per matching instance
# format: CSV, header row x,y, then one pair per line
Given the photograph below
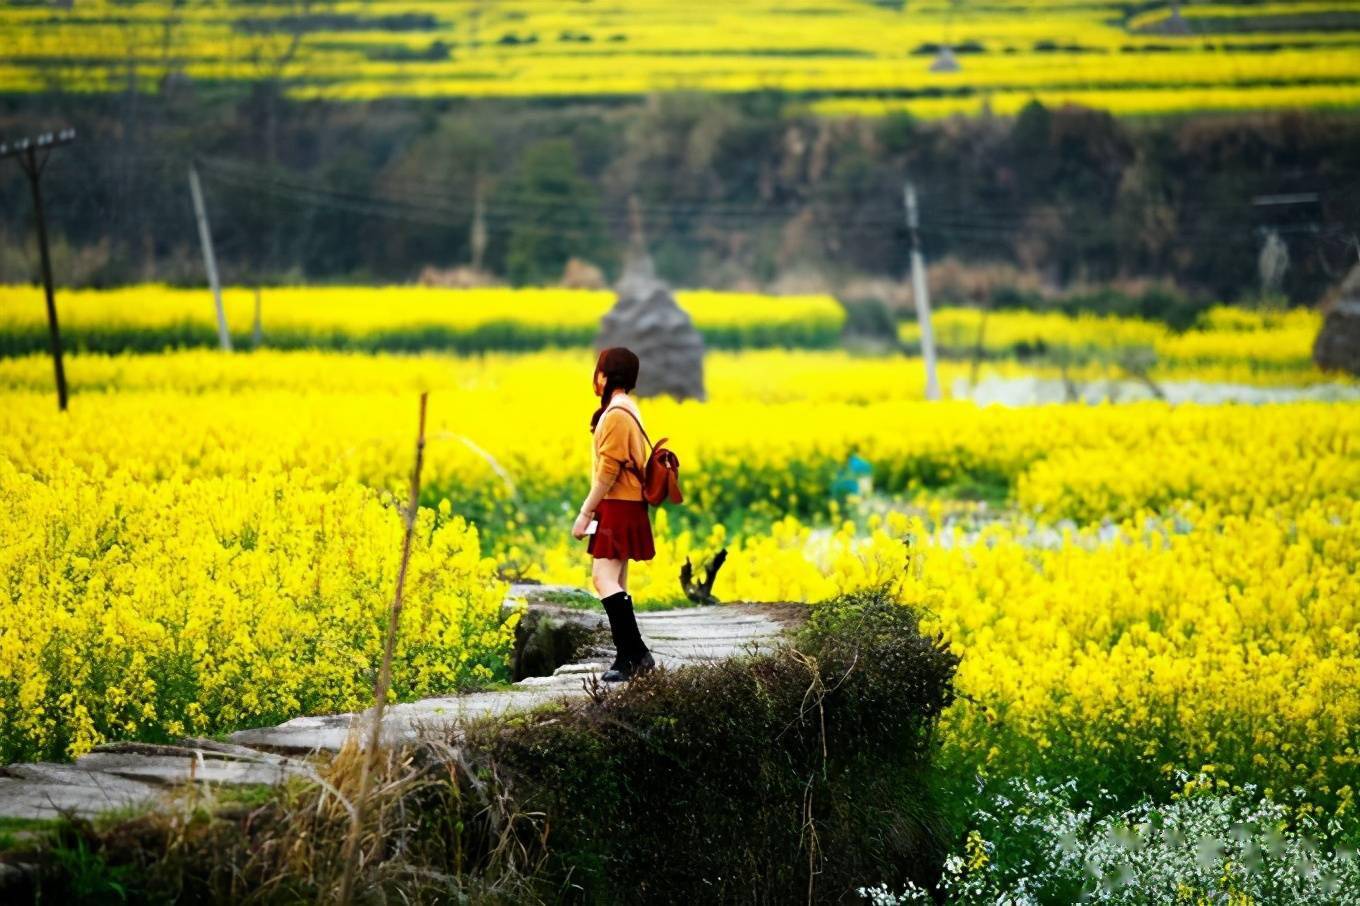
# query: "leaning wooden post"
x,y
978,349
209,259
351,853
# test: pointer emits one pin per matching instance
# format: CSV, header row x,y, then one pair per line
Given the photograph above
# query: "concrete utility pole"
x,y
479,235
26,151
921,295
205,237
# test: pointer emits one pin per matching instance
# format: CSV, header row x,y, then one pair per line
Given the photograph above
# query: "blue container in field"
x,y
855,477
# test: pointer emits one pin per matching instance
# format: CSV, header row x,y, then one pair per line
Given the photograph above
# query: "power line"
x,y
550,214
512,200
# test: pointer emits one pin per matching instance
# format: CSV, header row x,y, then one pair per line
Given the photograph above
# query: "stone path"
x,y
120,775
1031,390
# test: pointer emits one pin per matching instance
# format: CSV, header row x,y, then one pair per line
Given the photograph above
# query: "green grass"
x,y
580,600
15,832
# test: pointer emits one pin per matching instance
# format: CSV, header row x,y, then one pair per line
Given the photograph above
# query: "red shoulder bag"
x,y
661,476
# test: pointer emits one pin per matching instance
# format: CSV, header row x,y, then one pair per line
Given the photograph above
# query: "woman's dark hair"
x,y
620,368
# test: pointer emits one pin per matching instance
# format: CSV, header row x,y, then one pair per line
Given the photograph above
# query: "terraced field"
x,y
834,56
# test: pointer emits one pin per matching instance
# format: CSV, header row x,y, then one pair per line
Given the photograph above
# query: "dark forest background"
x,y
732,191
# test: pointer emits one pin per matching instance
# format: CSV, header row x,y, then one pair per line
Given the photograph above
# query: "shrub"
x,y
706,785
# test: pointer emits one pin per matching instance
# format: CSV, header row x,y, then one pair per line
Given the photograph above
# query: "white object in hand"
x,y
590,529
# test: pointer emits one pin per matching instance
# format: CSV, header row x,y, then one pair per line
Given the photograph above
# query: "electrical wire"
x,y
544,207
563,216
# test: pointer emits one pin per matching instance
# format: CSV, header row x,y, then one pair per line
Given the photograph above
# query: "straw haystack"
x,y
1337,347
647,320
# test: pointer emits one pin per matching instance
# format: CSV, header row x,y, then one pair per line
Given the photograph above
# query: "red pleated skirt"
x,y
624,532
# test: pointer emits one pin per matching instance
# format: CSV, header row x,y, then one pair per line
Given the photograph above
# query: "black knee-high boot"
x,y
631,656
639,658
614,606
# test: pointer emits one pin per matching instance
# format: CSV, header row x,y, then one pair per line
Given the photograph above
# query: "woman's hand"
x,y
578,528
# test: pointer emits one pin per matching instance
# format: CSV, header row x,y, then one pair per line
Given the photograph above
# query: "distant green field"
x,y
834,56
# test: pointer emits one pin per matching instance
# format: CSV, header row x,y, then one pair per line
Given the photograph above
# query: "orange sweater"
x,y
618,439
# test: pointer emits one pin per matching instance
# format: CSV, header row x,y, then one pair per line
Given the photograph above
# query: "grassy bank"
x,y
765,778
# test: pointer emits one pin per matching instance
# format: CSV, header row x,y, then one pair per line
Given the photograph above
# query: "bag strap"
x,y
640,428
639,424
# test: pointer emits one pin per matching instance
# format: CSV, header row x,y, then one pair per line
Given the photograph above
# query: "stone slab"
x,y
172,769
38,791
591,666
731,624
710,634
329,732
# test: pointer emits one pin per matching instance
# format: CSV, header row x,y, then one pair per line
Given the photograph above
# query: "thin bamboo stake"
x,y
351,853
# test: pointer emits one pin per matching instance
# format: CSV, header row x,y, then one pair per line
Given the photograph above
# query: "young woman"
x,y
624,531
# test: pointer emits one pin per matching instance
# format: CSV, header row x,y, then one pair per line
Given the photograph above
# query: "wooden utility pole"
x,y
978,349
921,295
205,237
27,152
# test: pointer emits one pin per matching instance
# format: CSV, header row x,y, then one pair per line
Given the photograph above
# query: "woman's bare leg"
x,y
604,573
623,576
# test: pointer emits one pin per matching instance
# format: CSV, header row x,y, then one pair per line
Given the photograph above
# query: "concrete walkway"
x,y
121,775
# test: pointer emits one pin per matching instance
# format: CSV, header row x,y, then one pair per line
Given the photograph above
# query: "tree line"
x,y
727,191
